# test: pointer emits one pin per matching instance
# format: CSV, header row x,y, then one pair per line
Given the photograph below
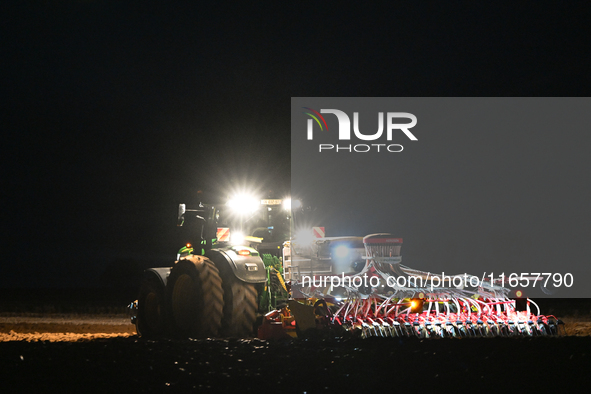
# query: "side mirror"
x,y
181,216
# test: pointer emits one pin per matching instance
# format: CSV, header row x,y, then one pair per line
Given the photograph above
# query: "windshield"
x,y
270,222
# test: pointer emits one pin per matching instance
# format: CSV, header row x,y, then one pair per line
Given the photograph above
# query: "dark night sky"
x,y
115,112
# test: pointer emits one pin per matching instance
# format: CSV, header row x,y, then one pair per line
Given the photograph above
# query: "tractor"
x,y
222,280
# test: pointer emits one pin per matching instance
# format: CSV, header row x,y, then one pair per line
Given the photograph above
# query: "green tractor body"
x,y
228,272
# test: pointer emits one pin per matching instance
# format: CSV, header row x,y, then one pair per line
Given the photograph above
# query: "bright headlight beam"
x,y
289,204
244,204
237,238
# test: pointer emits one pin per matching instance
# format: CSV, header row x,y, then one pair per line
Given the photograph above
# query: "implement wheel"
x,y
150,319
196,298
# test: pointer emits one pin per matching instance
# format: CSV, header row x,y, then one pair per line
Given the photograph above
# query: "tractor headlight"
x,y
237,238
289,204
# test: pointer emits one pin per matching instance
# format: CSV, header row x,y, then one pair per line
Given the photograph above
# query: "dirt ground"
x,y
101,353
63,327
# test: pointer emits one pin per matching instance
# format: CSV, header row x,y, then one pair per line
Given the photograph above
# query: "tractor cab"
x,y
261,224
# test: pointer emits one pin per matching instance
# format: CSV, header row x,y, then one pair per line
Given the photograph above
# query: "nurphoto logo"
x,y
394,124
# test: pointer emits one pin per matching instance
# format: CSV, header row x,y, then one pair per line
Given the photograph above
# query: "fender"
x,y
161,274
249,269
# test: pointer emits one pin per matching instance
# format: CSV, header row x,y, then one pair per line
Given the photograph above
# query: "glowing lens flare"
x,y
304,236
289,204
341,251
244,204
237,238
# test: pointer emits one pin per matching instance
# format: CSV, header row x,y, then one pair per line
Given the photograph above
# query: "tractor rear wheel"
x,y
196,298
150,319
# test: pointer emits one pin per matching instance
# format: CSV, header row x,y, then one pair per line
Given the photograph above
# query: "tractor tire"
x,y
151,320
240,308
240,303
195,298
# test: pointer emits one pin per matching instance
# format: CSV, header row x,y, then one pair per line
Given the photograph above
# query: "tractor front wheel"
x,y
196,298
240,300
240,307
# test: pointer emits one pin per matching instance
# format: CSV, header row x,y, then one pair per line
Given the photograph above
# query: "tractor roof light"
x,y
243,204
289,204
